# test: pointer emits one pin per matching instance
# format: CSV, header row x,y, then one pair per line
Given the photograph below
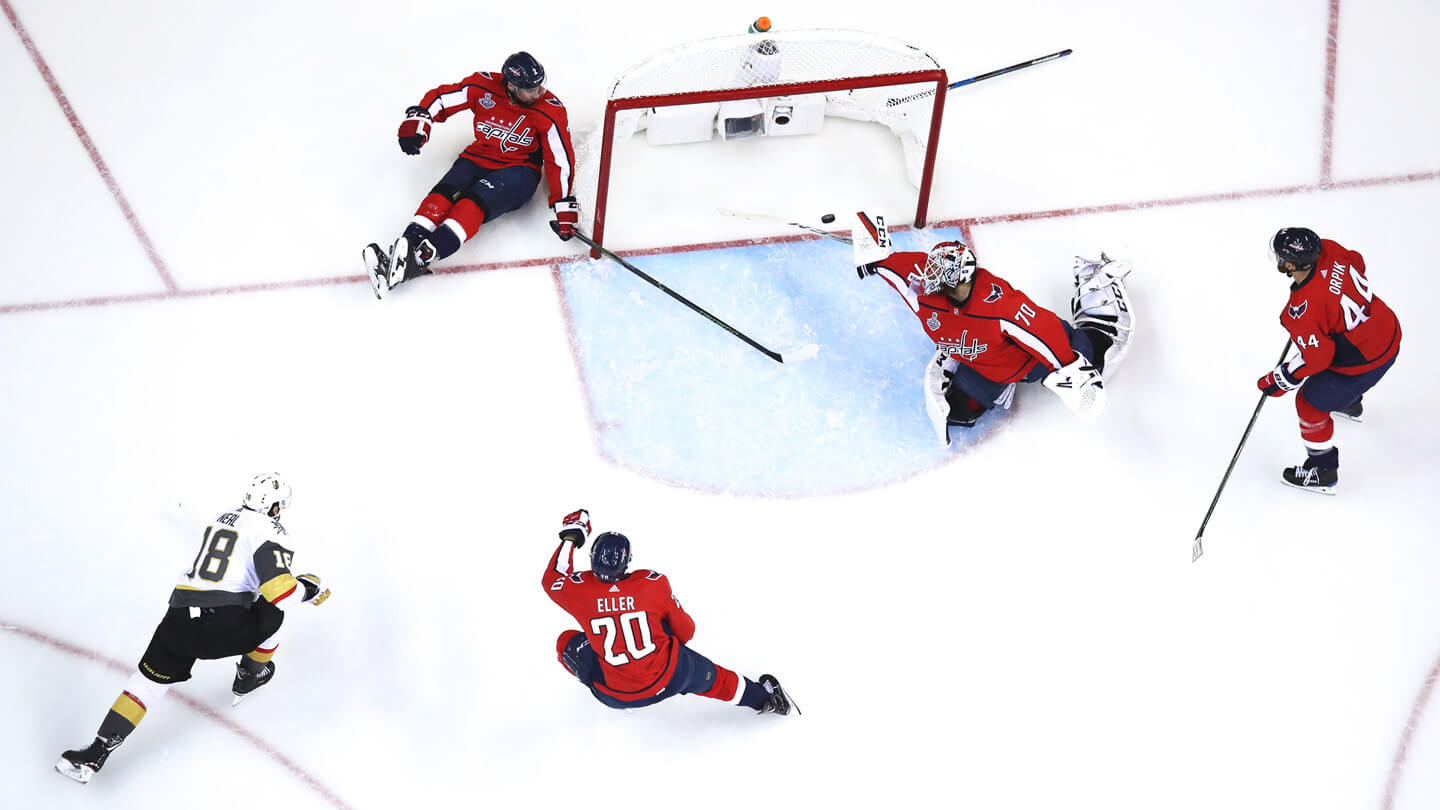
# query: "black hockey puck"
x,y
827,218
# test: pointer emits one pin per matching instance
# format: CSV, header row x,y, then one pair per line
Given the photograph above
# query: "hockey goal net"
x,y
776,83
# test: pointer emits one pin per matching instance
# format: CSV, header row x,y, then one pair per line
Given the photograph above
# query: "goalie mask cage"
x,y
862,76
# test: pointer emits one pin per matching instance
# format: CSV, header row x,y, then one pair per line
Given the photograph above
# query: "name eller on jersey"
x,y
614,604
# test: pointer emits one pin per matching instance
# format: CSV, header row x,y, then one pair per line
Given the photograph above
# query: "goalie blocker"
x,y
989,336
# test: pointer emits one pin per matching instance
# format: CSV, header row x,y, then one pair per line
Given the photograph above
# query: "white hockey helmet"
x,y
265,491
949,264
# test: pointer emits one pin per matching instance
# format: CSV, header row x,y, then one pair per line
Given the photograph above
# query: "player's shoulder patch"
x,y
996,291
578,577
1297,311
653,575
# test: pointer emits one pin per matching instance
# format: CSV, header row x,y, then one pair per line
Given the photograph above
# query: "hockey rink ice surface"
x,y
1015,623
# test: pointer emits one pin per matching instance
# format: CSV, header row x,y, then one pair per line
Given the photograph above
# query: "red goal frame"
x,y
615,105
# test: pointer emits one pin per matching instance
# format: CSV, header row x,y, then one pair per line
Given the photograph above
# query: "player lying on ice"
x,y
520,128
633,651
989,336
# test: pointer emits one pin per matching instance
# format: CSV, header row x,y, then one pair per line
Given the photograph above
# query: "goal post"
x,y
789,81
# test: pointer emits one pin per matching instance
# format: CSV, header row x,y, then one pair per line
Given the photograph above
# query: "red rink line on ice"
x,y
966,224
207,712
89,145
1402,751
1327,123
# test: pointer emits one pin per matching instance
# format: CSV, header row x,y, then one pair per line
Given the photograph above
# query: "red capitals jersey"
x,y
510,134
999,331
635,625
1336,320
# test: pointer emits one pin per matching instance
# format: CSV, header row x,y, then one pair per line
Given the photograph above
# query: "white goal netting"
x,y
791,79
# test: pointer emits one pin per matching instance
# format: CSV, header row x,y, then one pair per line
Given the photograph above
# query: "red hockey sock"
x,y
726,688
1316,426
434,208
468,215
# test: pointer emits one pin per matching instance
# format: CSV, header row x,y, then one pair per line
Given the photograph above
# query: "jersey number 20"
x,y
634,627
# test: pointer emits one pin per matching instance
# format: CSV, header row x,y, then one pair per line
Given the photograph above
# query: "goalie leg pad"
x,y
1102,304
937,385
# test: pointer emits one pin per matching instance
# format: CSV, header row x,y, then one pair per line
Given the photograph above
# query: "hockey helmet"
x,y
1300,247
949,264
523,71
267,490
610,556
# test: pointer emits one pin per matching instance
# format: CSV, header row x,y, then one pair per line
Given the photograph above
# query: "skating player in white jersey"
x,y
229,602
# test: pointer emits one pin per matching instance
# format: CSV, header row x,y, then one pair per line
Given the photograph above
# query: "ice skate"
x,y
1312,479
409,257
778,702
1102,303
377,267
82,764
1354,413
247,682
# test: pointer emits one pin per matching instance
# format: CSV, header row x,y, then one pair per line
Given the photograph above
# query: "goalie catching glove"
x,y
314,594
576,527
1079,386
567,216
414,130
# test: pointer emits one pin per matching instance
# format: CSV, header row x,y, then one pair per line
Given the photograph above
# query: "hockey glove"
x,y
866,269
576,527
414,130
314,594
567,216
1278,382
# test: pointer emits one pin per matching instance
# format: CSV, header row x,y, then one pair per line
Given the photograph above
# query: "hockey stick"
x,y
772,218
677,296
982,77
1196,549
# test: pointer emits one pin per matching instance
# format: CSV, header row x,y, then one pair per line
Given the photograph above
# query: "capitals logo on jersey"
x,y
995,293
1298,312
968,351
511,138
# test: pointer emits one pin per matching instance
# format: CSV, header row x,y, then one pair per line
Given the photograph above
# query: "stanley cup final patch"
x,y
933,322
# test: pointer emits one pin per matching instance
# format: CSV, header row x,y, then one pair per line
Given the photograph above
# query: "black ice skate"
x,y
247,681
1354,413
377,267
1312,479
778,702
409,258
82,764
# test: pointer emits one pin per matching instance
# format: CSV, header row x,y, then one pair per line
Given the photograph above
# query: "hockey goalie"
x,y
990,336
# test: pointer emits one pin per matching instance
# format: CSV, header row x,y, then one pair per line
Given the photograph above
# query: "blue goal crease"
x,y
688,403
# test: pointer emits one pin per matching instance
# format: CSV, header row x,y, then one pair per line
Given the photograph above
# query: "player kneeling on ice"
x,y
990,336
229,603
520,127
632,651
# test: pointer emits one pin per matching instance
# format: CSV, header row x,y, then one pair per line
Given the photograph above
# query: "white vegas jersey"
x,y
240,556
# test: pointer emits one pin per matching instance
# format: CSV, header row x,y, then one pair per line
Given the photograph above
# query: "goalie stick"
x,y
677,296
982,77
1196,548
772,218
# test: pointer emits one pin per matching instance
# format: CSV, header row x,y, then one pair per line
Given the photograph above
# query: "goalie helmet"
x,y
610,556
267,490
949,264
523,70
1298,246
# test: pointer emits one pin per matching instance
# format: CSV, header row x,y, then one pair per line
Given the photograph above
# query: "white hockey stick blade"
x,y
1196,549
757,217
